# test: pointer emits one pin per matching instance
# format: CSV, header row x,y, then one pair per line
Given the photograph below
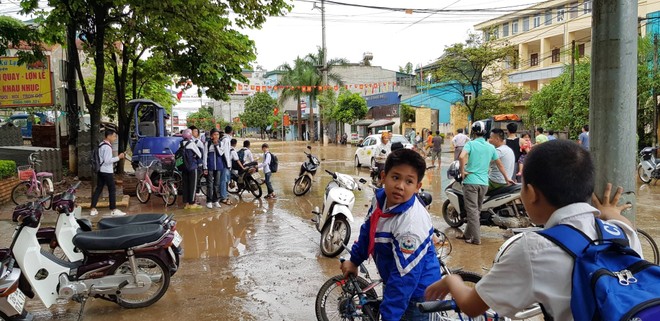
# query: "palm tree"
x,y
295,79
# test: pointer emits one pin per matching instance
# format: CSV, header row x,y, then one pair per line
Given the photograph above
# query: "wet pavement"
x,y
260,259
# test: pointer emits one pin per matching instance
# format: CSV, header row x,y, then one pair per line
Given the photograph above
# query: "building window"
x,y
587,6
505,30
548,17
581,50
556,55
514,27
496,33
537,21
525,24
574,10
534,60
467,98
560,14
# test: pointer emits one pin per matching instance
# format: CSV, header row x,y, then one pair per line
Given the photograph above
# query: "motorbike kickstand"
x,y
82,308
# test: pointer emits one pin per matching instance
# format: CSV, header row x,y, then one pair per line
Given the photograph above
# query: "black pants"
x,y
105,179
189,186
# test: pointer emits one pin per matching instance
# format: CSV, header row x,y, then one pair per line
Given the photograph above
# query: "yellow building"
x,y
543,37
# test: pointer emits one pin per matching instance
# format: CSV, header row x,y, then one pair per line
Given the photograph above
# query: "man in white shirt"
x,y
105,176
506,156
459,142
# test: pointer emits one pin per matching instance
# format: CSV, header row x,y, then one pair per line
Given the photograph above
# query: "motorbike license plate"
x,y
177,239
17,300
256,176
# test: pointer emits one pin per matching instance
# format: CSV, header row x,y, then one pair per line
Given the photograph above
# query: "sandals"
x,y
226,201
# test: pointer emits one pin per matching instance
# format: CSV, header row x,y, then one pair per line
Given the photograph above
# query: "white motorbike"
x,y
333,220
649,166
501,207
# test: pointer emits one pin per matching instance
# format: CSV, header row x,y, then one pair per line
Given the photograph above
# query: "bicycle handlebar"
x,y
437,306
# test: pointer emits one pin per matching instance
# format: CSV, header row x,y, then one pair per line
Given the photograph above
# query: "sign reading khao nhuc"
x,y
26,85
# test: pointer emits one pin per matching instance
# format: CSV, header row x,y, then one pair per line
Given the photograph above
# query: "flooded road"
x,y
260,259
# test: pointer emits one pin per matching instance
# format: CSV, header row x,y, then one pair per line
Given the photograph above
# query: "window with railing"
x,y
556,55
525,24
534,60
586,6
560,14
537,21
580,49
514,27
573,11
548,17
505,30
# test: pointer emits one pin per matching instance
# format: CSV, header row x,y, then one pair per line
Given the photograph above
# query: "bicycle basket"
x,y
141,173
25,172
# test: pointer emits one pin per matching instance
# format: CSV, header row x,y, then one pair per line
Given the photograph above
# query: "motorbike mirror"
x,y
309,147
383,152
363,181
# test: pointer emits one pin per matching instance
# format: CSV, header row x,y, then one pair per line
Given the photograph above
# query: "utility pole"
x,y
612,110
324,71
654,92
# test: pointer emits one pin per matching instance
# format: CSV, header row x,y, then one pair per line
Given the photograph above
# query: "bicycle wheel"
x,y
337,300
649,247
22,194
142,192
169,193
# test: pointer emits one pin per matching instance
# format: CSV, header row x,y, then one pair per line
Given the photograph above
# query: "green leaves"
x,y
14,33
202,119
350,107
259,111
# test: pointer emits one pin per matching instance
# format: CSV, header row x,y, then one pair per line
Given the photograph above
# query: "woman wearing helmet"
x,y
191,155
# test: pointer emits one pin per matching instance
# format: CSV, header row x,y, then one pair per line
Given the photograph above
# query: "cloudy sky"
x,y
392,36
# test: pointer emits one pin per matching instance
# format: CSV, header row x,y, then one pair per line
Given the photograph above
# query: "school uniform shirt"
x,y
200,145
225,149
403,251
266,164
106,158
212,160
234,159
194,148
533,269
248,157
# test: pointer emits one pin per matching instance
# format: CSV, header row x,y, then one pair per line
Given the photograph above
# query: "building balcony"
x,y
536,74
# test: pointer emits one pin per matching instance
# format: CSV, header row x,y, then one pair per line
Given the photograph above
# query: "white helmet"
x,y
479,128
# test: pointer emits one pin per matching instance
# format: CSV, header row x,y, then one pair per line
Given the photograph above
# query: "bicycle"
x,y
357,297
164,188
34,185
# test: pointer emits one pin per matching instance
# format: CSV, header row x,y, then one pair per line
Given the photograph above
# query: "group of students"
x,y
216,158
557,184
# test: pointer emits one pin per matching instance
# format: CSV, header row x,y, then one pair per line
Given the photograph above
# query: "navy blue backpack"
x,y
610,280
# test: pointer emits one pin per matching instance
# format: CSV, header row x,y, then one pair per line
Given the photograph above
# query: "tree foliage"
x,y
465,67
407,113
327,104
259,111
350,107
202,119
14,33
494,103
408,68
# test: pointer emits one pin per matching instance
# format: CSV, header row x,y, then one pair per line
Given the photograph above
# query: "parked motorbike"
x,y
333,220
307,170
12,299
344,139
129,265
246,181
649,166
501,207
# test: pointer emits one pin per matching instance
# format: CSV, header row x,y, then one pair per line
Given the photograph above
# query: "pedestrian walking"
x,y
459,142
191,155
265,165
225,152
583,139
437,148
474,165
106,176
213,167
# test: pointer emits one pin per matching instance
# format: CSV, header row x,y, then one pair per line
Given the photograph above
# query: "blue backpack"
x,y
610,280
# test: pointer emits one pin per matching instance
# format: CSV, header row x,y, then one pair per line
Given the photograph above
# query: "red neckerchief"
x,y
375,216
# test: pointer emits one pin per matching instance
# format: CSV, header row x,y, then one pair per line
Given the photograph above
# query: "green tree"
x,y
13,32
294,82
202,119
465,67
350,107
407,113
259,112
493,103
408,68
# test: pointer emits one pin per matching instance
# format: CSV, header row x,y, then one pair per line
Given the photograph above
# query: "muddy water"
x,y
260,259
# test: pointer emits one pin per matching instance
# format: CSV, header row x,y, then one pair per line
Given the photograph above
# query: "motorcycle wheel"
x,y
20,194
342,234
643,176
235,189
253,186
169,194
142,192
160,281
334,303
202,184
451,215
302,185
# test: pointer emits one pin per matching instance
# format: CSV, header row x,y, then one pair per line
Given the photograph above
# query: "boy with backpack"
x,y
269,166
398,234
543,267
102,162
245,154
191,155
213,165
236,163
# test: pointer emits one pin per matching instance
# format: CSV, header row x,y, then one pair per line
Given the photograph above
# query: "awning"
x,y
381,123
364,122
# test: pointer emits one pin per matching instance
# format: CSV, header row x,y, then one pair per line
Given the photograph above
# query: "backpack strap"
x,y
574,241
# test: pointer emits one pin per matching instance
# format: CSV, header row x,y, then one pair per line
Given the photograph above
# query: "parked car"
x,y
364,155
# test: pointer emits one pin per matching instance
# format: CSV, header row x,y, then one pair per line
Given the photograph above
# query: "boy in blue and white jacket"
x,y
398,233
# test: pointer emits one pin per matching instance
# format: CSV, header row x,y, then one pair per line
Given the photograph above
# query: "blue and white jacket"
x,y
403,251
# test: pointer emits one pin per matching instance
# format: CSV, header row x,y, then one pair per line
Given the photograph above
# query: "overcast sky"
x,y
393,37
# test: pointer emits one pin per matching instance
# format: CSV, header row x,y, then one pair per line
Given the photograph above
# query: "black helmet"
x,y
397,145
479,128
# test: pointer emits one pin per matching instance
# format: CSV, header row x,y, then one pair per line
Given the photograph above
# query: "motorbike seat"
x,y
505,190
150,218
118,238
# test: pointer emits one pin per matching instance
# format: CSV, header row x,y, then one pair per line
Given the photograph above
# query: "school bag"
x,y
95,159
241,155
273,163
180,157
610,281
